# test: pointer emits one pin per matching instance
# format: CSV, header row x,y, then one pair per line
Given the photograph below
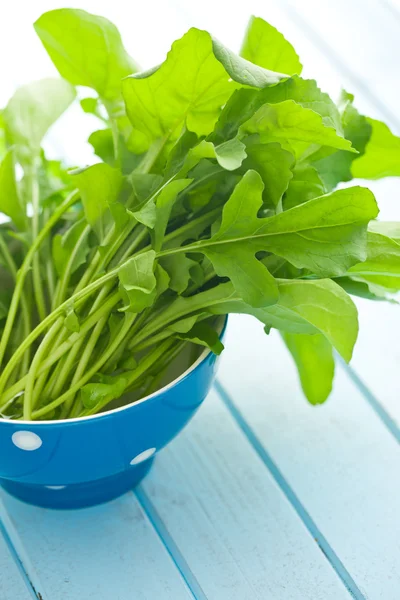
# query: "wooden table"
x,y
262,496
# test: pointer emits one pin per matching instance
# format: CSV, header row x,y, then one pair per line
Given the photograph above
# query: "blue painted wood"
x,y
12,584
230,521
110,551
340,460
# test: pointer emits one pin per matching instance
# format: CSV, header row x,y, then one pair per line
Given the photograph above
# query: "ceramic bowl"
x,y
82,462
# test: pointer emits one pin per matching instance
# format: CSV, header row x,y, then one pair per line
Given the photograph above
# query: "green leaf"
x,y
10,201
86,49
194,86
164,203
244,103
314,360
390,229
231,154
337,167
138,280
326,235
203,334
66,245
382,154
32,111
243,71
180,269
294,127
381,269
303,306
265,46
306,93
103,144
274,165
100,186
234,259
71,320
100,394
305,185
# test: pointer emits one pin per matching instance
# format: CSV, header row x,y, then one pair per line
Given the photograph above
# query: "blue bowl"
x,y
82,462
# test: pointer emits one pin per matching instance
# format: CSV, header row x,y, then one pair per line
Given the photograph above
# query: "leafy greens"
x,y
216,193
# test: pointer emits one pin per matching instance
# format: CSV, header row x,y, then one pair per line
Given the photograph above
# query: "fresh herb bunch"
x,y
214,196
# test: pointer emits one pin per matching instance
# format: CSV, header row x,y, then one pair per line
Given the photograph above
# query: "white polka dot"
x,y
143,456
56,487
26,440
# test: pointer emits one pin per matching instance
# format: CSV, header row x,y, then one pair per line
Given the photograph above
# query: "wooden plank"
x,y
339,459
110,551
238,533
12,584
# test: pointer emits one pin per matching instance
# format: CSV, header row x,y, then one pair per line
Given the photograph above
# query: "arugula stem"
x,y
37,278
30,380
22,273
85,358
24,303
148,361
95,368
64,281
9,395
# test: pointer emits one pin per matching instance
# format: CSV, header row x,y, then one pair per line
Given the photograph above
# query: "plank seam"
x,y
290,495
372,400
170,545
340,65
36,595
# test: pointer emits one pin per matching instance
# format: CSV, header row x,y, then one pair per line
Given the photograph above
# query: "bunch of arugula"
x,y
214,195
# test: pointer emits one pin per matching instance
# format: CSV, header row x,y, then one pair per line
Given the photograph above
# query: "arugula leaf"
x,y
180,269
337,167
303,307
138,281
100,394
195,85
243,71
71,321
72,244
390,229
265,46
164,205
294,127
305,185
381,269
11,203
244,103
203,334
382,154
275,167
100,186
31,112
86,49
314,360
237,260
326,235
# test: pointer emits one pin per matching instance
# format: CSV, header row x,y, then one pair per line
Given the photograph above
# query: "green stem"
x,y
96,367
147,362
30,380
24,303
24,270
90,322
64,281
37,278
84,360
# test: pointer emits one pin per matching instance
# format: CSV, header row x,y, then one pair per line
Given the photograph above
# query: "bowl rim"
x,y
199,361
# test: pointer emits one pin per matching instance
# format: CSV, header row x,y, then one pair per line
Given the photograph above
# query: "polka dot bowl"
x,y
83,462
